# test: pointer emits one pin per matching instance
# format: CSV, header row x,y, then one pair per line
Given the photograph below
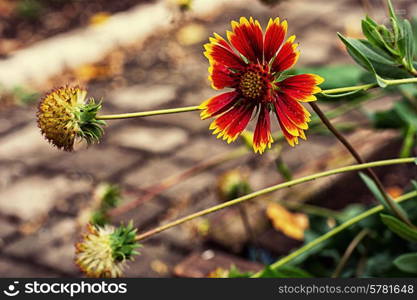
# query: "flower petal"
x,y
221,77
232,123
287,56
217,104
301,87
262,137
219,51
285,121
274,36
292,140
293,110
247,38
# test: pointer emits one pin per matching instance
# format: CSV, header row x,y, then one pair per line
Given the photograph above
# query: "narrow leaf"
x,y
356,54
378,194
399,228
407,262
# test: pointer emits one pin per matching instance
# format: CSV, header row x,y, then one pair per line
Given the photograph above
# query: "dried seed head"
x,y
64,116
104,251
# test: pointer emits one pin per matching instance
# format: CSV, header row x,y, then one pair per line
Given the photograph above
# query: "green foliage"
x,y
378,194
123,242
235,273
407,262
387,52
109,196
354,48
400,228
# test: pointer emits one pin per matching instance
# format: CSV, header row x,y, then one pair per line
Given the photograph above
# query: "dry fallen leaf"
x,y
291,224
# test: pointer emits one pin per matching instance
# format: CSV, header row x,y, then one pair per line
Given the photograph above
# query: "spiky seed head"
x,y
104,251
64,115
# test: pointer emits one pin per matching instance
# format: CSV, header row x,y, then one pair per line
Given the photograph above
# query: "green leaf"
x,y
408,142
360,58
378,194
406,43
400,228
356,54
284,272
369,30
236,273
407,262
374,54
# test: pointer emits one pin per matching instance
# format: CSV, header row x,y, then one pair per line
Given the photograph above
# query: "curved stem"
x,y
269,190
333,232
359,159
363,87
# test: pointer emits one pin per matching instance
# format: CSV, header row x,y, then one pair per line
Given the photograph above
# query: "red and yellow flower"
x,y
251,64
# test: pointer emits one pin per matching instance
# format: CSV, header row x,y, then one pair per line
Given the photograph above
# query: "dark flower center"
x,y
255,82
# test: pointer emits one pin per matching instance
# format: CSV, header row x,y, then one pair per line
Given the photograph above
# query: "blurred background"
x,y
140,55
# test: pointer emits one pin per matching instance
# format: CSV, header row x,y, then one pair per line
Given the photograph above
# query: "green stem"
x,y
363,87
408,141
269,190
148,113
333,232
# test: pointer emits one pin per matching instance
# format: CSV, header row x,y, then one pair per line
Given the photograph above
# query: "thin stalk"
x,y
349,251
333,232
270,189
363,87
359,159
148,113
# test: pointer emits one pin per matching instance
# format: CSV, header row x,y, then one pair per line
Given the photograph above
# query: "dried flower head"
x,y
104,251
64,115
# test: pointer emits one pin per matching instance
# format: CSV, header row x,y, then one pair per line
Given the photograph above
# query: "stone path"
x,y
43,191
